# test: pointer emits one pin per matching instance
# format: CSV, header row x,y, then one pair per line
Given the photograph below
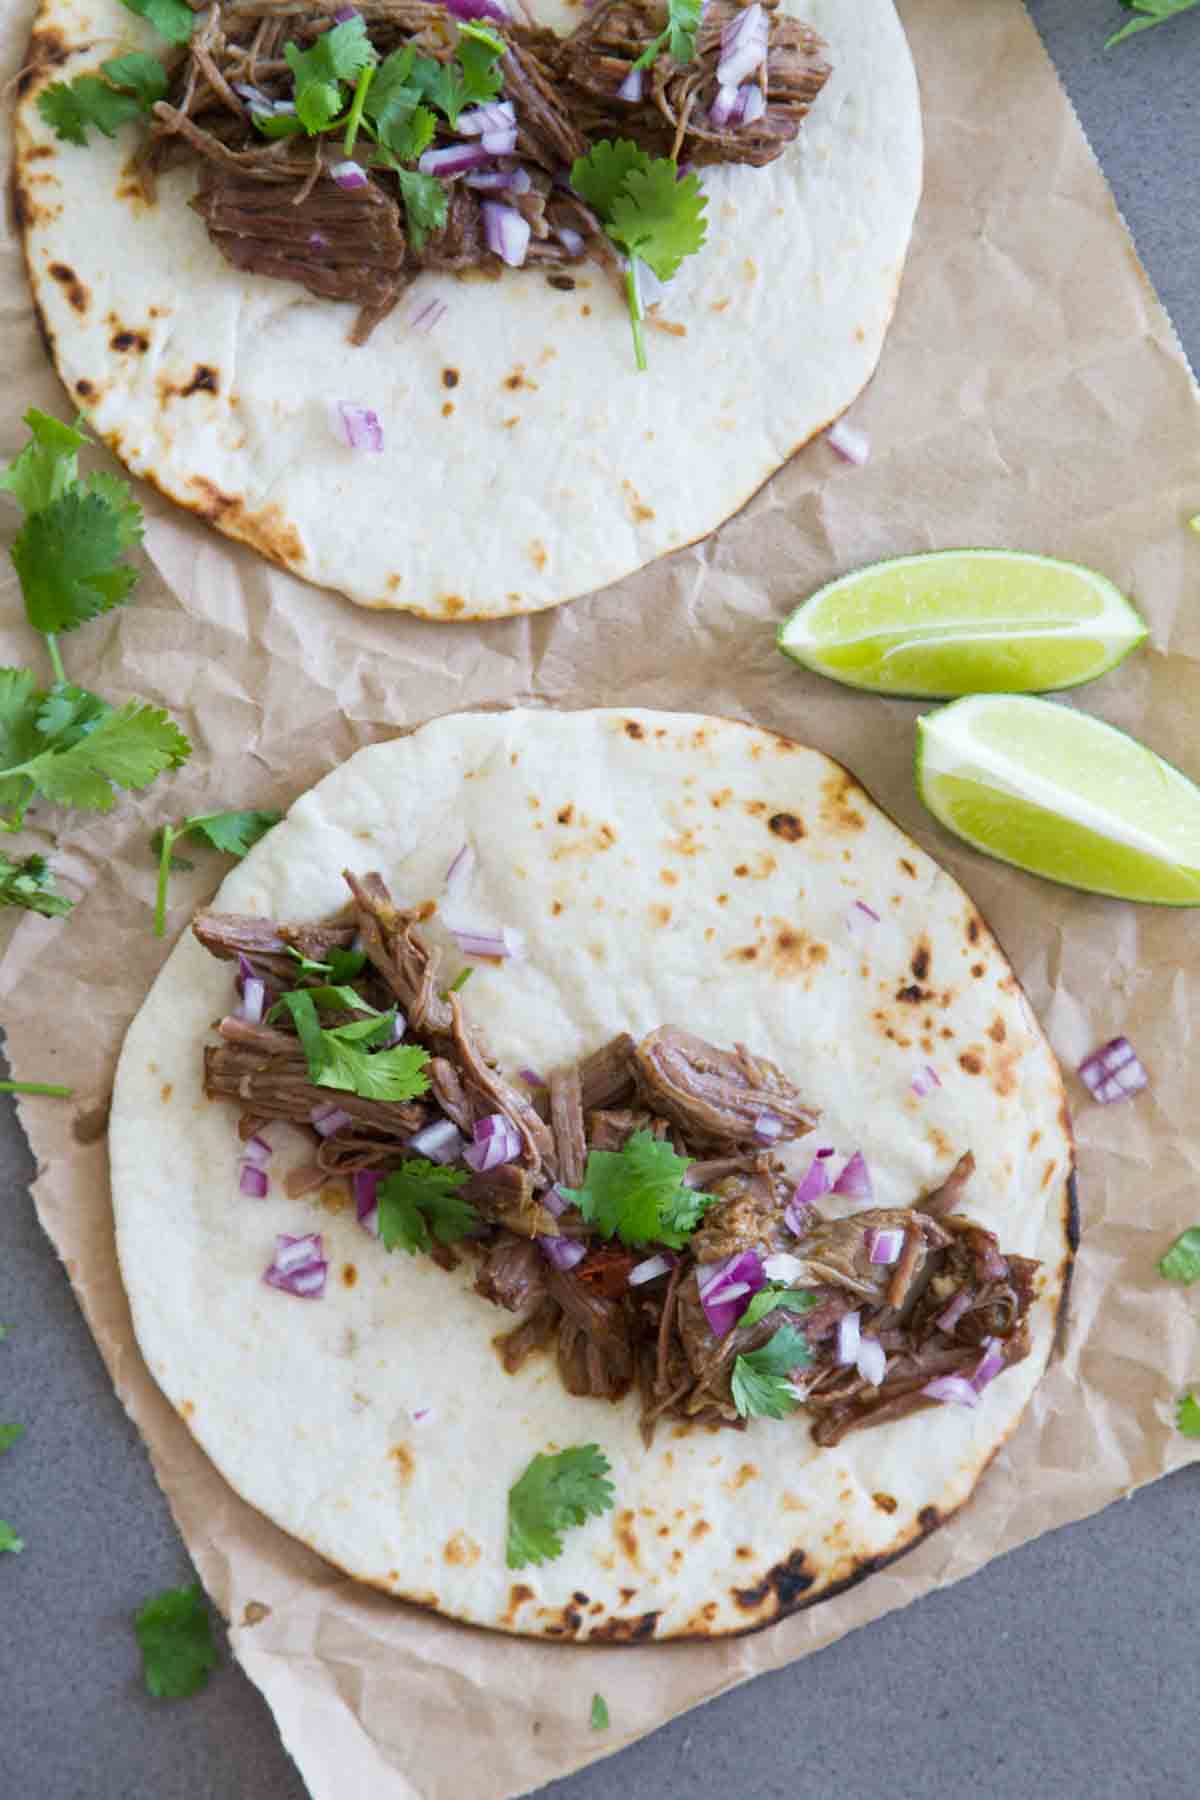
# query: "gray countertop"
x,y
1067,1668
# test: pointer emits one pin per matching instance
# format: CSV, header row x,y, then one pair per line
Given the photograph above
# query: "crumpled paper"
x,y
1031,394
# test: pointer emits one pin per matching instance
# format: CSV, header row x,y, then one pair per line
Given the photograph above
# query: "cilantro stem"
x,y
60,674
635,312
36,1087
169,836
354,118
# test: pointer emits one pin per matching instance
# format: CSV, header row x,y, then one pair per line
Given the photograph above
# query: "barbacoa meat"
x,y
716,1097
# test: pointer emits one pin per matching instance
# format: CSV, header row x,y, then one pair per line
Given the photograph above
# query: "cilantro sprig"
x,y
347,1057
679,38
1187,1415
1147,13
172,19
174,1634
646,209
342,965
555,1493
232,832
1182,1260
30,884
129,89
599,1716
760,1386
638,1193
419,1202
9,1435
768,1299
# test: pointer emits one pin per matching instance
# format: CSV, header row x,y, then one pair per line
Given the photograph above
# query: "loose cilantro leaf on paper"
x,y
336,57
1182,1260
769,1298
760,1386
232,832
638,1194
679,38
335,1060
1148,13
1187,1415
9,1435
30,884
9,1539
76,751
554,1493
419,1202
172,19
174,1634
646,210
48,465
36,1087
599,1718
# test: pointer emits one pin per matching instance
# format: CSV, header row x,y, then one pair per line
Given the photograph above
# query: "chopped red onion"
x,y
253,1000
532,1079
954,1388
555,1201
256,1149
990,1364
257,101
422,1415
499,143
253,1181
721,110
360,427
815,1182
424,318
344,14
851,444
441,1142
452,159
854,1182
500,943
723,1286
298,1267
849,1338
317,240
784,1267
884,1246
245,972
862,907
993,1265
497,1141
500,115
515,181
325,1120
1113,1072
365,1183
650,1270
752,103
630,89
564,1253
458,875
946,1321
349,175
743,46
396,1035
924,1081
871,1360
768,1127
571,241
506,232
825,1150
477,9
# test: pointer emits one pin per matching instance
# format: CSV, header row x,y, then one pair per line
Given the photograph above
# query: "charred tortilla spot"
x,y
787,1581
402,1456
204,381
461,1550
453,604
973,929
627,1594
89,1127
627,1537
167,1090
125,340
447,409
701,1528
909,868
518,379
580,1598
787,826
971,1061
626,1631
537,554
564,283
912,995
747,953
255,1611
633,729
77,295
349,1274
1048,1172
922,958
639,512
744,1553
978,971
885,1502
450,378
187,1408
929,1518
838,791
268,529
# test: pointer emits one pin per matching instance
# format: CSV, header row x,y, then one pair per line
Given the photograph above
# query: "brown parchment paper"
x,y
1031,394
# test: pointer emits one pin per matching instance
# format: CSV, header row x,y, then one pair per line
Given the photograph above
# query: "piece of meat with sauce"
x,y
747,1215
566,1121
513,1273
407,965
606,1076
716,1097
275,1087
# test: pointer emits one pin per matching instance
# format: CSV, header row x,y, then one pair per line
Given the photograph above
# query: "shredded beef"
x,y
531,1335
512,1274
278,1089
566,1119
406,964
748,1215
715,1096
606,1076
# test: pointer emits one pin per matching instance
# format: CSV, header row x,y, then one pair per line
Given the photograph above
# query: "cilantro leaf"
x,y
172,19
679,38
174,1634
1187,1415
335,1062
66,558
9,1435
127,749
600,176
343,965
425,204
406,136
70,108
140,75
9,1539
232,832
760,1386
554,1493
599,1718
48,465
68,713
337,56
36,1087
1182,1260
479,55
31,884
1150,12
796,1300
638,1193
392,90
418,1202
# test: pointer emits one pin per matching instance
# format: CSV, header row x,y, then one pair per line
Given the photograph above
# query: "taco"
x,y
733,1188
357,285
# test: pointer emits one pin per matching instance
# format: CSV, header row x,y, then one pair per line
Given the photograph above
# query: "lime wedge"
x,y
964,622
1063,795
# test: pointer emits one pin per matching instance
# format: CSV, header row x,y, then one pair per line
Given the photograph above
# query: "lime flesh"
x,y
958,622
1062,795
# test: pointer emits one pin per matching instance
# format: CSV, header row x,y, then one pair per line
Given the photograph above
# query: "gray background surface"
x,y
1065,1669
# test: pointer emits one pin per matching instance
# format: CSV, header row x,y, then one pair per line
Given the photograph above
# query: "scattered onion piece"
x,y
743,46
478,9
256,1149
298,1267
990,1364
317,240
497,1141
422,1415
563,1252
814,1183
884,1245
349,175
573,242
1113,1072
555,1201
849,1338
360,427
453,159
854,1182
500,115
424,318
851,444
724,1285
650,1270
498,943
253,1001
871,1360
924,1081
768,1127
946,1321
459,874
441,1142
506,232
325,1120
365,1183
953,1388
630,89
532,1079
784,1267
499,143
253,1181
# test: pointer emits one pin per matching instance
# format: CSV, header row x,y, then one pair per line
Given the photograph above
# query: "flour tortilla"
x,y
665,867
552,467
